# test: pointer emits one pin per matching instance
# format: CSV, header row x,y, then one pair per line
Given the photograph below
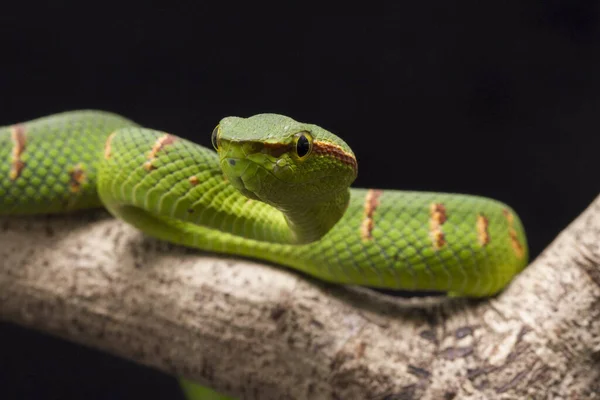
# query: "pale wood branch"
x,y
257,331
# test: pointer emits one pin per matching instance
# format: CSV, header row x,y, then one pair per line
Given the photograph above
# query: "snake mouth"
x,y
236,170
256,175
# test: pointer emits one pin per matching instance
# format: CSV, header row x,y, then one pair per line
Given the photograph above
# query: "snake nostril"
x,y
231,162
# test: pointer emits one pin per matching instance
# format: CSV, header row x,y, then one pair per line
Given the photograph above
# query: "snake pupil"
x,y
302,146
214,138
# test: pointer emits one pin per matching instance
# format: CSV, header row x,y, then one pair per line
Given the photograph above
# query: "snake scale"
x,y
276,190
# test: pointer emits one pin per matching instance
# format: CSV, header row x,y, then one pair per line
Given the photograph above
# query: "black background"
x,y
500,101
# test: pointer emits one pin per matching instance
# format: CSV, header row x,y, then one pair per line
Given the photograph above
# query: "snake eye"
x,y
214,138
303,144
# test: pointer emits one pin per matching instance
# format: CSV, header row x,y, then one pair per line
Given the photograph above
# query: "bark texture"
x,y
260,332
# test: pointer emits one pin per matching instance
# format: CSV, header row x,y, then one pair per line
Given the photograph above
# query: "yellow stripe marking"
x,y
326,148
512,232
437,213
371,204
77,177
108,146
159,145
148,166
17,134
483,235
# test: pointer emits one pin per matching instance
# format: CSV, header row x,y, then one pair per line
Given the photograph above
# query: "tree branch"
x,y
256,331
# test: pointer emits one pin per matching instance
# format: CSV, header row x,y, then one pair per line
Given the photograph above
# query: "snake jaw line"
x,y
17,134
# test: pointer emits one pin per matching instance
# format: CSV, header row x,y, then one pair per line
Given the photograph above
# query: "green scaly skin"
x,y
175,190
209,213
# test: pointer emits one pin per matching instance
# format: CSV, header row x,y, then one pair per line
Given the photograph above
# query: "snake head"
x,y
282,162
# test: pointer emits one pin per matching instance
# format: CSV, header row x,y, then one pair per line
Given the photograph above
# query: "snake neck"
x,y
309,222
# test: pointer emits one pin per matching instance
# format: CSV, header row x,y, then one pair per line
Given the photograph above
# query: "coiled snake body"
x,y
276,190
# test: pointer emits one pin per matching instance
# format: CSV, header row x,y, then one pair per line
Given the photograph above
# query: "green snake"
x,y
276,189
